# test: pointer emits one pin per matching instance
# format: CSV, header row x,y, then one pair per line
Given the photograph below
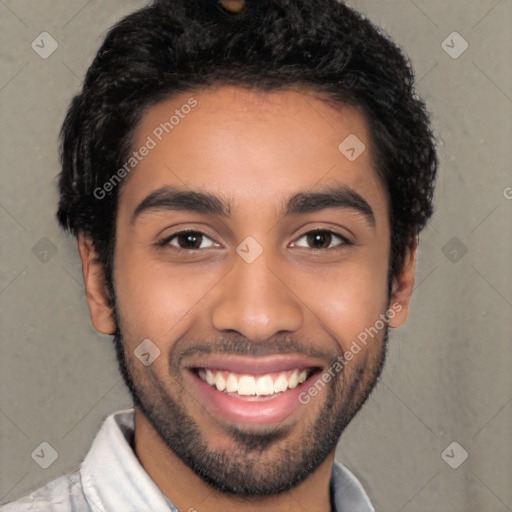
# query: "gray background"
x,y
448,375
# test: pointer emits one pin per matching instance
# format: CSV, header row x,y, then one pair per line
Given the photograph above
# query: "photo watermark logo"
x,y
348,355
152,141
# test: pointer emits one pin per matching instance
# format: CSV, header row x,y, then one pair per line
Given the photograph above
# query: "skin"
x,y
254,150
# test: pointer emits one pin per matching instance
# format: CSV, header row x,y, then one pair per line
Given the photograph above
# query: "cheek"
x,y
155,300
347,300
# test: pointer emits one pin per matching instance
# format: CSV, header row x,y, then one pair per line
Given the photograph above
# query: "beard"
x,y
262,463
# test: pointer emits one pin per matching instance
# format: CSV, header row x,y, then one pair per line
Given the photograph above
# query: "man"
x,y
247,182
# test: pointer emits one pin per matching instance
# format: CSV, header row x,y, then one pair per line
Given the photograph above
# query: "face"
x,y
252,253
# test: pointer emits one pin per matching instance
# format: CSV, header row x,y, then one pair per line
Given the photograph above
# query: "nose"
x,y
256,302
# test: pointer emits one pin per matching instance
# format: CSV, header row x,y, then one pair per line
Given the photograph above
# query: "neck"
x,y
189,492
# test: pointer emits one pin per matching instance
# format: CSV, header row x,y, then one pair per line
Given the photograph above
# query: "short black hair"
x,y
174,46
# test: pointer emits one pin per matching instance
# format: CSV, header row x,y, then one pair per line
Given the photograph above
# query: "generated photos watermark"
x,y
152,141
348,355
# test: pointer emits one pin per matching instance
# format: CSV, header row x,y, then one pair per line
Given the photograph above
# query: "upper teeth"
x,y
258,385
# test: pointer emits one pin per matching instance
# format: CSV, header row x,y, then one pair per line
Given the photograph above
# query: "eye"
x,y
188,240
321,239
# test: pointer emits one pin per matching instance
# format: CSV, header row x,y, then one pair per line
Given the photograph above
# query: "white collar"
x,y
114,479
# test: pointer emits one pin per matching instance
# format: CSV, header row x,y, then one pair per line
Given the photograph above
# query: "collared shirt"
x,y
111,479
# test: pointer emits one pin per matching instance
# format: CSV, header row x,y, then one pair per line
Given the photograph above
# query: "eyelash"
x,y
167,240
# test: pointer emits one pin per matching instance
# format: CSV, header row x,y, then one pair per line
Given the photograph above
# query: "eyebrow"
x,y
332,197
172,198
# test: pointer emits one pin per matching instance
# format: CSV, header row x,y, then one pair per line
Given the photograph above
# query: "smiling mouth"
x,y
257,386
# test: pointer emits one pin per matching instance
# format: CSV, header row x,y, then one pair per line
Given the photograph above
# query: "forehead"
x,y
252,147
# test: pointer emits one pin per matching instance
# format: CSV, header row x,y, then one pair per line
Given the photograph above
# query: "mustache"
x,y
240,345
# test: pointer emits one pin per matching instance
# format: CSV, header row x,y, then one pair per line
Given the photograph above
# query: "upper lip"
x,y
253,365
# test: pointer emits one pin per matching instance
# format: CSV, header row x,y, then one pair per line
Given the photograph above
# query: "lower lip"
x,y
266,411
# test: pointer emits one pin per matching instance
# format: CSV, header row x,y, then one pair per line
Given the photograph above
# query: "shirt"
x,y
111,479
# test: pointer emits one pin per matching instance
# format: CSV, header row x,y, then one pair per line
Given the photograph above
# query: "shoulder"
x,y
64,494
349,494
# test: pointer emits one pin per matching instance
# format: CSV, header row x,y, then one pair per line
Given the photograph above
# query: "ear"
x,y
102,313
403,285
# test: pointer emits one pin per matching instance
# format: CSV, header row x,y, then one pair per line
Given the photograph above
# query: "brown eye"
x,y
321,239
190,240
